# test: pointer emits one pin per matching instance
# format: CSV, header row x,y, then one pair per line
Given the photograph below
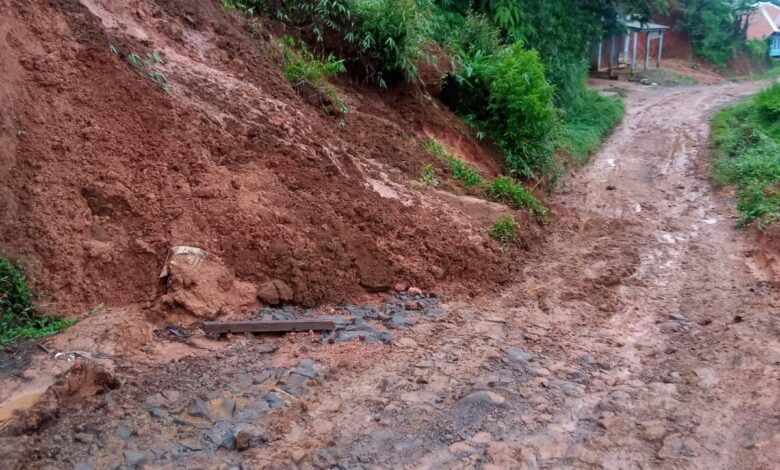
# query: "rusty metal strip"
x,y
265,326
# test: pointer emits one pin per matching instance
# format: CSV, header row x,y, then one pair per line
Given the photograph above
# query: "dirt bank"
x,y
103,171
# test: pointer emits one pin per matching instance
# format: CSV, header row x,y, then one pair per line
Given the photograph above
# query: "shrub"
x,y
768,103
747,142
383,37
586,122
505,189
504,230
17,313
301,67
522,118
507,96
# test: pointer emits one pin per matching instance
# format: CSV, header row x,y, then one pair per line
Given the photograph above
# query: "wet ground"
x,y
643,337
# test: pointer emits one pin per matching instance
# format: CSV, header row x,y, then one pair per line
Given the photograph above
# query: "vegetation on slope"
x,y
519,67
18,317
746,138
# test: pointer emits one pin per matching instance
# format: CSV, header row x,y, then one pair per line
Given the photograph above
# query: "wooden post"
x,y
647,51
612,52
660,48
598,65
633,54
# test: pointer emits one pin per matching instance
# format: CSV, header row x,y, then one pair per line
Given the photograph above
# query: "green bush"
x,y
388,35
746,138
504,189
507,96
379,38
17,313
522,119
301,67
768,103
504,230
711,24
586,122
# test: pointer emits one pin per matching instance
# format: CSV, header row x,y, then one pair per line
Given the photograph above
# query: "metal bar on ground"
x,y
265,326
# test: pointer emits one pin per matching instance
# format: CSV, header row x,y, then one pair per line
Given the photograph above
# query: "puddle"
x,y
23,399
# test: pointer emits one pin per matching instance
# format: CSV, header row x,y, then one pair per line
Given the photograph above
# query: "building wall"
x,y
677,44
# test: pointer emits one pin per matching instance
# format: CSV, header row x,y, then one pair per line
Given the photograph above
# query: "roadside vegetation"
x,y
518,68
503,189
18,316
746,138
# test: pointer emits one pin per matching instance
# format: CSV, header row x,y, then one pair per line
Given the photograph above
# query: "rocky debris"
x,y
123,432
516,355
134,459
275,292
199,409
249,436
707,377
266,348
484,397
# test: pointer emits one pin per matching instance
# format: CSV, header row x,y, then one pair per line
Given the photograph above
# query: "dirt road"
x,y
640,337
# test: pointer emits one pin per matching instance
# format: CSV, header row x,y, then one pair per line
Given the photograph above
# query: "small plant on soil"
x,y
309,75
504,230
460,170
427,178
17,313
505,189
135,60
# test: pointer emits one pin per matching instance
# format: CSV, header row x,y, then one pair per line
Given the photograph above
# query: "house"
x,y
626,52
763,21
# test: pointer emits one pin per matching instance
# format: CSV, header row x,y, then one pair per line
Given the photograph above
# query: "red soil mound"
x,y
101,171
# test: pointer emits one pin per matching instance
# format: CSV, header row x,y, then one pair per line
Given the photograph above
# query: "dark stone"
x,y
158,412
83,466
273,400
123,432
249,436
134,459
199,409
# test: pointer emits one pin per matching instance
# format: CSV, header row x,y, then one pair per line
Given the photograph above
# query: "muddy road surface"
x,y
641,336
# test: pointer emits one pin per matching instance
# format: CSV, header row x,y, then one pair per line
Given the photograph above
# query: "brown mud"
x,y
103,171
643,333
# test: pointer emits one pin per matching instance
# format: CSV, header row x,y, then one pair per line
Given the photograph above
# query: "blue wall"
x,y
774,45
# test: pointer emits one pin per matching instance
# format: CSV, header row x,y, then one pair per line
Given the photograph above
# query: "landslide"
x,y
102,171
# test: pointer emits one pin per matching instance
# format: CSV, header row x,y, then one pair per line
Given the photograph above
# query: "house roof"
x,y
772,18
638,26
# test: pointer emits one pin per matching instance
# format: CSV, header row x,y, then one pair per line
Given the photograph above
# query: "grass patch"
x,y
503,189
17,313
302,69
427,178
746,139
506,190
459,169
504,230
586,123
